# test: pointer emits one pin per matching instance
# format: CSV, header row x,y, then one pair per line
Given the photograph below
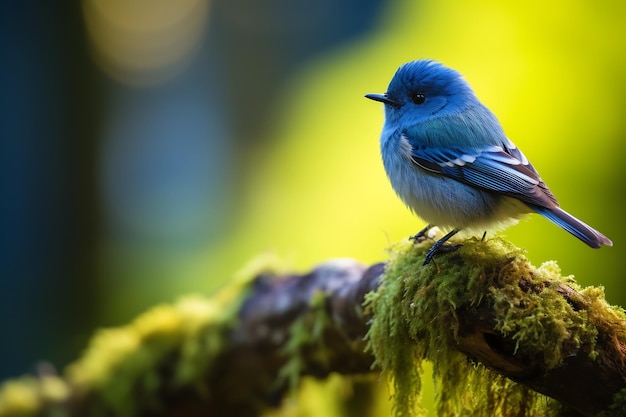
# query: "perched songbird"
x,y
449,160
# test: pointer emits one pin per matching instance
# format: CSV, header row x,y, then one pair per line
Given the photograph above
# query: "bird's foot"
x,y
421,235
439,250
439,246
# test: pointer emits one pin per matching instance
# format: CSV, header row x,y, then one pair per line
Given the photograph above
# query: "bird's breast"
x,y
441,200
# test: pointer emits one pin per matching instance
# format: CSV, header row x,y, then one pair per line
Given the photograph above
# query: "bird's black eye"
x,y
418,98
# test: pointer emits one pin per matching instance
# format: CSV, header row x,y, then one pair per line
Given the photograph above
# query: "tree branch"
x,y
239,353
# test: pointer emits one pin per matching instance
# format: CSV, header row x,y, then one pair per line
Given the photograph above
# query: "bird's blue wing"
x,y
500,168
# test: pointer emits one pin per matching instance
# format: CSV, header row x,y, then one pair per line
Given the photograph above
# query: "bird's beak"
x,y
383,98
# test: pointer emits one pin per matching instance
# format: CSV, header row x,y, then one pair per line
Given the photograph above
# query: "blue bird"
x,y
449,160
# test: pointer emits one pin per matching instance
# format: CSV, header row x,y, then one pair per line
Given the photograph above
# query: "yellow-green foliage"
x,y
121,367
416,318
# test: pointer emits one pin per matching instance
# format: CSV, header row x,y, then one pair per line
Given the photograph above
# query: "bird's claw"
x,y
421,235
440,249
439,246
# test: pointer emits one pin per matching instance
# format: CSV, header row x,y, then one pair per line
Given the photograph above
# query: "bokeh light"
x,y
143,41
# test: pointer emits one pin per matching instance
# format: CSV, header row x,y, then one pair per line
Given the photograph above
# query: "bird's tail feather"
x,y
582,231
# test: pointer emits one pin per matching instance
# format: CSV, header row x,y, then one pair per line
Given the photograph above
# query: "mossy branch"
x,y
532,331
496,329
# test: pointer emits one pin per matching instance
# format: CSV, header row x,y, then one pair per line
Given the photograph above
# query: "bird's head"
x,y
422,89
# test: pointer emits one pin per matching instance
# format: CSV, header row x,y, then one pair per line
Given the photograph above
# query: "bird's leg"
x,y
482,239
421,235
438,246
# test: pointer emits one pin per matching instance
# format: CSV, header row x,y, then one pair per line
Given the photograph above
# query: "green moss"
x,y
22,397
122,365
124,369
417,312
305,332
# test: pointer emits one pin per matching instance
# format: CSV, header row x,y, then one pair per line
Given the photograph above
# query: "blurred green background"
x,y
152,148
